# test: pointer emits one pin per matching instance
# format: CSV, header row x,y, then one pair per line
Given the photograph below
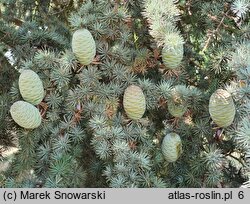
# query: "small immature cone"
x,y
176,110
83,46
172,52
221,108
25,114
171,147
134,102
31,87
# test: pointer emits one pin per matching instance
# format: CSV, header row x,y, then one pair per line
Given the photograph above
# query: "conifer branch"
x,y
215,32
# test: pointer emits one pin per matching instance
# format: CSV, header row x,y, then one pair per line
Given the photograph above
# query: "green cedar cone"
x,y
171,147
176,110
25,114
172,52
221,108
134,102
83,46
31,87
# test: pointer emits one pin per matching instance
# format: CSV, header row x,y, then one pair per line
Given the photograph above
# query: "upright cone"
x,y
221,108
83,46
25,114
176,110
134,102
31,87
176,103
171,147
172,52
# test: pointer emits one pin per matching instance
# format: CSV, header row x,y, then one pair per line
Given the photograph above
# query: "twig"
x,y
214,32
214,18
188,4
